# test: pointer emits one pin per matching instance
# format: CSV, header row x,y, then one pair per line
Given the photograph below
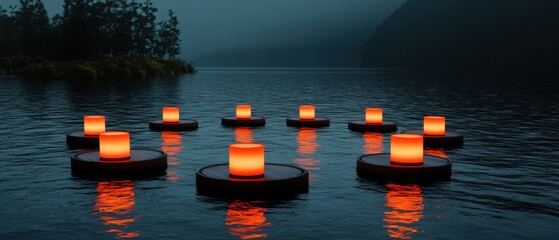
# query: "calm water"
x,y
504,185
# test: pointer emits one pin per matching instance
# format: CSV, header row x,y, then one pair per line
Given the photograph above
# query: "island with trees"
x,y
90,40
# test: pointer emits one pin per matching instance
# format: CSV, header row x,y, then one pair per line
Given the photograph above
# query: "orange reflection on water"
x,y
307,145
439,152
246,221
113,206
372,143
406,208
243,135
308,163
306,138
172,145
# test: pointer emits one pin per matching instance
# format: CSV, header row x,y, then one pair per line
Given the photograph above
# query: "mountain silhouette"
x,y
467,33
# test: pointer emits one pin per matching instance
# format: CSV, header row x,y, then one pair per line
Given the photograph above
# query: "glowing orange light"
x,y
243,135
171,115
434,125
307,145
406,149
243,112
439,152
114,203
406,208
372,143
373,116
306,139
114,145
246,220
172,146
246,159
93,125
306,112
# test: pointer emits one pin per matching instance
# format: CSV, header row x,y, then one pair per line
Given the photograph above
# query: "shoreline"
x,y
99,68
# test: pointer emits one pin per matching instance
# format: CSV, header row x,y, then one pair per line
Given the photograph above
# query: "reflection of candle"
x,y
171,115
307,145
114,145
306,112
372,143
246,220
246,159
406,149
373,116
243,112
243,135
114,203
405,203
93,125
172,146
434,125
439,152
306,138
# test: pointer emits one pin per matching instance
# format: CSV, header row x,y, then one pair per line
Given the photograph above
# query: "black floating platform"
x,y
378,166
234,122
182,125
361,126
450,139
77,139
142,163
279,179
316,123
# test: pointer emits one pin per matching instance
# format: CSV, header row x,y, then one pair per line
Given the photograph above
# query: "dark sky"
x,y
211,25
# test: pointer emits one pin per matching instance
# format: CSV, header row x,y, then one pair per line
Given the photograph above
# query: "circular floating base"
x,y
234,122
279,179
316,123
77,139
378,166
142,162
361,126
182,125
450,139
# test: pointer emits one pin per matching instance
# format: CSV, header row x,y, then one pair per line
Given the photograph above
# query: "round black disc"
x,y
234,122
378,166
142,162
361,126
450,139
316,123
279,179
182,125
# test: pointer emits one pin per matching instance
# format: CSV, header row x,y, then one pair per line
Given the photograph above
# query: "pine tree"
x,y
168,37
33,27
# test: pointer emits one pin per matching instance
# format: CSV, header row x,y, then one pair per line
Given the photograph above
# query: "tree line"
x,y
87,29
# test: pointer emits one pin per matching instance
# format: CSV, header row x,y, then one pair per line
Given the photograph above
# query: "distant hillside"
x,y
465,33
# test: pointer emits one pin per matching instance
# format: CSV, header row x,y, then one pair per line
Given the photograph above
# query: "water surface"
x,y
504,183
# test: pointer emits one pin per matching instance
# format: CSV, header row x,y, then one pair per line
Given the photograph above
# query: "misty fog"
x,y
315,26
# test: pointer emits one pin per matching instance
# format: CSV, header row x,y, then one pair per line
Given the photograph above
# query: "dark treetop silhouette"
x,y
90,30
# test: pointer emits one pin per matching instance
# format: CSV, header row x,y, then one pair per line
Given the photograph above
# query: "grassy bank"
x,y
100,68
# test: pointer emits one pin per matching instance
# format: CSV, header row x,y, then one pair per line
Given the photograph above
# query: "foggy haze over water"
x,y
317,27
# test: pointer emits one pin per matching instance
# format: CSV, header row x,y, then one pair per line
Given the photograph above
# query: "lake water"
x,y
504,183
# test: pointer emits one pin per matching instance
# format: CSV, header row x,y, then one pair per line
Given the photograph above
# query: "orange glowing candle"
x,y
243,112
306,112
93,125
406,149
246,159
114,145
373,116
434,125
171,115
